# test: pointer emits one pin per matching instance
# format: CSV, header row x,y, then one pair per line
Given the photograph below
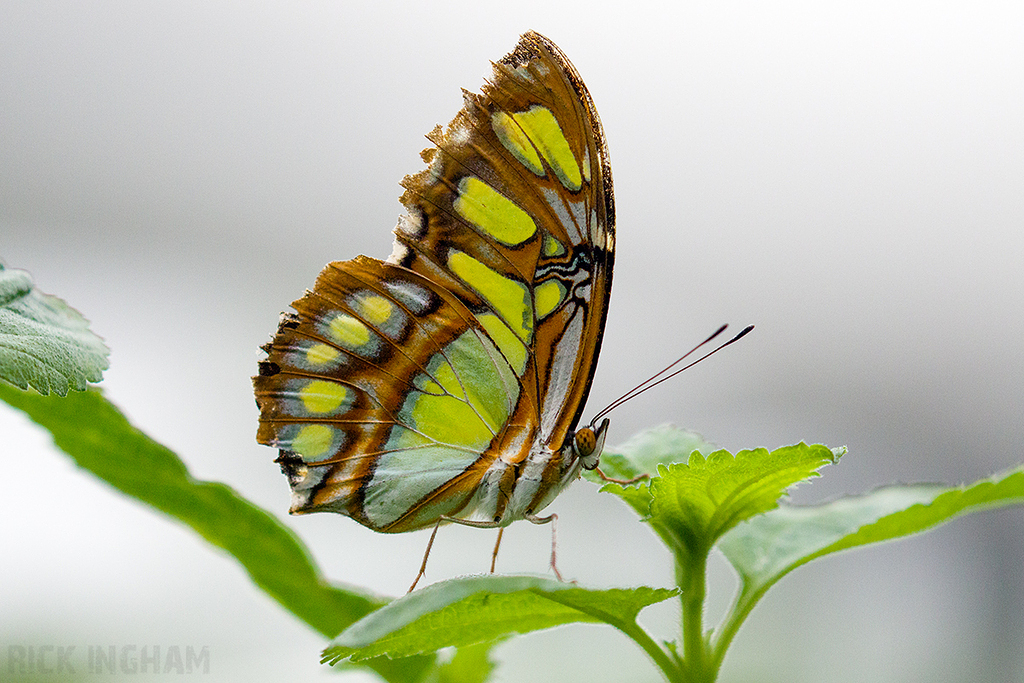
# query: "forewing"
x,y
514,215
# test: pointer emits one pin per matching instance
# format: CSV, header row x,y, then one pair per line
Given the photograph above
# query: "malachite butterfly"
x,y
446,383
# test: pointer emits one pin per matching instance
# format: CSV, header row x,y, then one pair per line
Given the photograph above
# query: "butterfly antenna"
x,y
643,385
660,376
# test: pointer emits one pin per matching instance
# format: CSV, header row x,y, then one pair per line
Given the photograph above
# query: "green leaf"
x,y
642,455
645,451
768,547
480,609
471,664
636,495
98,437
44,343
693,504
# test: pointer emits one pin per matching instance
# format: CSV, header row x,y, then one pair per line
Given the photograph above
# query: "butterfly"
x,y
447,382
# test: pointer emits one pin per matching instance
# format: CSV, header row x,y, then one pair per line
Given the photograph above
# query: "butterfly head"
x,y
588,443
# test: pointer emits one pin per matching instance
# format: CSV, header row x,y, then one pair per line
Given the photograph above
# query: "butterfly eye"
x,y
586,442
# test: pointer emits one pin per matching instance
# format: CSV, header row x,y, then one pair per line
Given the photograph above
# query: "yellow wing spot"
x,y
321,396
547,296
510,299
321,354
552,247
313,441
448,380
348,331
508,343
514,140
477,402
429,386
448,420
376,309
493,213
542,128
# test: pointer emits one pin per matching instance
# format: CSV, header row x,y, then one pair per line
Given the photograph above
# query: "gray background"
x,y
848,176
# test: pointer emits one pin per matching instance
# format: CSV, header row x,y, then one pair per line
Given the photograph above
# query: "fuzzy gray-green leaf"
x,y
44,343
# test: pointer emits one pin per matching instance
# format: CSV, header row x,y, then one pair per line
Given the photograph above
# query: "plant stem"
x,y
737,614
661,659
692,579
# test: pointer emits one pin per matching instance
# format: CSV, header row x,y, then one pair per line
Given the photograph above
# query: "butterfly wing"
x,y
515,214
426,386
383,394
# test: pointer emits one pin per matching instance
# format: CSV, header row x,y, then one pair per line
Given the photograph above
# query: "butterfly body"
x,y
447,382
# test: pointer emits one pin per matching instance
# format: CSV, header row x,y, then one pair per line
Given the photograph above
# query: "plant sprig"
x,y
695,498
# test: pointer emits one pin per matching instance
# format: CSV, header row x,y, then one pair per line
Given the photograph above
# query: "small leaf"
x,y
695,503
479,609
44,343
768,547
645,451
636,495
642,455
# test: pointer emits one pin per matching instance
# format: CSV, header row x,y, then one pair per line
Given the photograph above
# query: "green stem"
x,y
668,665
694,591
737,614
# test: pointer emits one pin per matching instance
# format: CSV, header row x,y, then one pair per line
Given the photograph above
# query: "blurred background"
x,y
847,176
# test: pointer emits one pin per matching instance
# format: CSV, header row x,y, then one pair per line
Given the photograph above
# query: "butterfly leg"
x,y
463,522
553,519
423,565
480,524
494,554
